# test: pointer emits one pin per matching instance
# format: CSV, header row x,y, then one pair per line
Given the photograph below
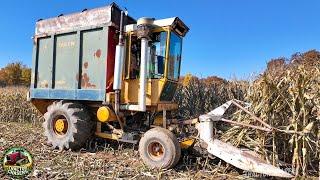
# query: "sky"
x,y
227,38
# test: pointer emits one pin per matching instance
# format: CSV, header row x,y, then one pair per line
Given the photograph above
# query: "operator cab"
x,y
165,48
163,62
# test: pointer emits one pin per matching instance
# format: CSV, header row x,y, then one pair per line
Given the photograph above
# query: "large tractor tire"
x,y
67,125
159,148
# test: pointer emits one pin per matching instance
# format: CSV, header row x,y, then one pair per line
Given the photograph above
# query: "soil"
x,y
101,159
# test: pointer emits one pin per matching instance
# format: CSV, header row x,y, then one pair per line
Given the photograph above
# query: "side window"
x,y
135,50
158,54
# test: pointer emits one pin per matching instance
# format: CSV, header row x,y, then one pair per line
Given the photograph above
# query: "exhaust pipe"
x,y
143,74
118,67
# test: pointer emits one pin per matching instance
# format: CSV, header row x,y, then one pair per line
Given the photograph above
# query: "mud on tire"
x,y
78,121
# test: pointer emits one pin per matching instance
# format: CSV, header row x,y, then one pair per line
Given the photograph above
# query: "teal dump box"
x,y
73,55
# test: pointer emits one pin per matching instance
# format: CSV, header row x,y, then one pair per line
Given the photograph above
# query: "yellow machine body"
x,y
160,90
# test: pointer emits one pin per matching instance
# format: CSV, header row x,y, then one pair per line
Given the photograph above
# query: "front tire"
x,y
159,148
67,125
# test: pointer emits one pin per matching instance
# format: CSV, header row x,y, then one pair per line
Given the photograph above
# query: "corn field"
x,y
286,96
199,96
14,106
288,99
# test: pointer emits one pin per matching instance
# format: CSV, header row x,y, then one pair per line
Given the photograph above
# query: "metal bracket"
x,y
164,116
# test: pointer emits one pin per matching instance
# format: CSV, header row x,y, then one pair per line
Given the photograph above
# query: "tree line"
x,y
18,74
15,74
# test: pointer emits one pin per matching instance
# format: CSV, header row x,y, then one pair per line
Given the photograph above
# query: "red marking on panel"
x,y
98,53
85,81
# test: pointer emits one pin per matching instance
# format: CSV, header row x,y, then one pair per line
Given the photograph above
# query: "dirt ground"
x,y
101,159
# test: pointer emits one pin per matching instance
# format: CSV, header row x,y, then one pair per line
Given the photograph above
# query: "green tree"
x,y
15,74
25,76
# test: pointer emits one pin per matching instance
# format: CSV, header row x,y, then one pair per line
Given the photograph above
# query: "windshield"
x,y
174,56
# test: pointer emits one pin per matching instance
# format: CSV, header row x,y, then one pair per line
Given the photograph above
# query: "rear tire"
x,y
159,148
76,129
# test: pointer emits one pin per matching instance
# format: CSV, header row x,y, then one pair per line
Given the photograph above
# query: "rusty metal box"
x,y
73,55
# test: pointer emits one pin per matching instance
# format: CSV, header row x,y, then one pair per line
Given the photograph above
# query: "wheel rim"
x,y
156,150
60,125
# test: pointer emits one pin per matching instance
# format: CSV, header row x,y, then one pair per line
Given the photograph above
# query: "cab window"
x,y
174,60
157,54
156,64
135,55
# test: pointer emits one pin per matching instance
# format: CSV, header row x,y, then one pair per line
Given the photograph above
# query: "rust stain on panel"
x,y
97,53
85,81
